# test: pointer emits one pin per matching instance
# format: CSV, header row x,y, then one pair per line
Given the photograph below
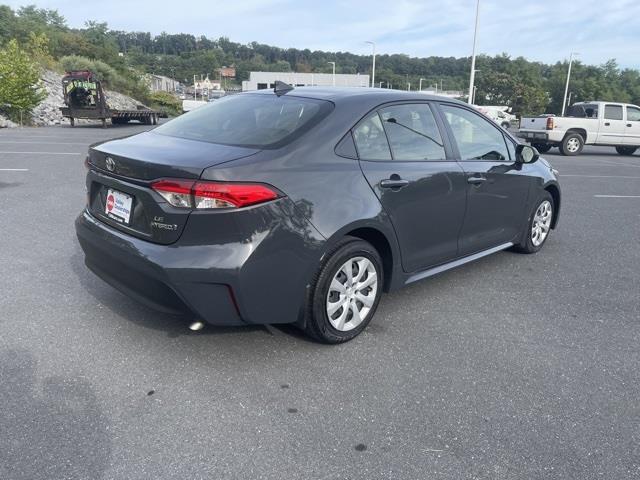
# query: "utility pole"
x,y
373,65
334,72
473,55
566,87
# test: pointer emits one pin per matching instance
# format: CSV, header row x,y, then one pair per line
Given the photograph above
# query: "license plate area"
x,y
118,206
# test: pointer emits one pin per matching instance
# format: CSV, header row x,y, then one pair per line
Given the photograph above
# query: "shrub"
x,y
20,89
167,102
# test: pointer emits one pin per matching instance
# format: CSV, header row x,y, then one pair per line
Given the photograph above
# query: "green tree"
x,y
20,90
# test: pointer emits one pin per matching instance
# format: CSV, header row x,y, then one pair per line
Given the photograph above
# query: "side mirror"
x,y
526,154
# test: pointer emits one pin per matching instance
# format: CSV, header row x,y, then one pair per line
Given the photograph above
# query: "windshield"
x,y
249,120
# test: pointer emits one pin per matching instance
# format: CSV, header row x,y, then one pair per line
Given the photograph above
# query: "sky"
x,y
544,30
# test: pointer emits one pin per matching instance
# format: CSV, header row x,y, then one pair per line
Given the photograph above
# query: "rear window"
x,y
583,111
258,121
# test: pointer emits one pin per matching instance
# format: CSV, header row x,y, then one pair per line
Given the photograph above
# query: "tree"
x,y
20,90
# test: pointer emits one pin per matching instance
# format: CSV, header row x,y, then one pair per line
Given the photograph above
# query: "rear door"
x,y
632,131
497,187
612,125
407,161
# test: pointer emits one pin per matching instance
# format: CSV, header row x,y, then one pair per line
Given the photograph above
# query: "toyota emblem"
x,y
110,163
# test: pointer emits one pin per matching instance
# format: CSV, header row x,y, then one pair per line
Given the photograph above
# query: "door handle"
x,y
476,180
629,125
607,124
394,182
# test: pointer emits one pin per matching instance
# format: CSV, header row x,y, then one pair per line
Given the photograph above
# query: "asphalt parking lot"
x,y
514,367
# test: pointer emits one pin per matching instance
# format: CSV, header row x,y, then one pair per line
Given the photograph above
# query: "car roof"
x,y
380,95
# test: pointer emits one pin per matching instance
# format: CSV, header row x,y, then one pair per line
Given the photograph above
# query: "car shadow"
x,y
51,428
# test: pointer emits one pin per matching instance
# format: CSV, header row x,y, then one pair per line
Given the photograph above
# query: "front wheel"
x,y
539,226
345,292
626,150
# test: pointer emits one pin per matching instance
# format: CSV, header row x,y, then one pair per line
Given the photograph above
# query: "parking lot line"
x,y
14,169
43,153
618,164
598,176
617,196
44,143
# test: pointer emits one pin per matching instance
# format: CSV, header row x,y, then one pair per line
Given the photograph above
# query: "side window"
x,y
413,133
613,112
633,114
370,139
476,138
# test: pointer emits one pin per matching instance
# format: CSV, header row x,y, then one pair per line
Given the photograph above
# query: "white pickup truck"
x,y
587,123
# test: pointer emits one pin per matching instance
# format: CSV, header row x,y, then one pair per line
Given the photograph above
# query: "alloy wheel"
x,y
352,293
541,223
573,145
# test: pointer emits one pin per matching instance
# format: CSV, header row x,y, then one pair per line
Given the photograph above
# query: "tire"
x,y
542,147
626,150
330,315
572,144
542,217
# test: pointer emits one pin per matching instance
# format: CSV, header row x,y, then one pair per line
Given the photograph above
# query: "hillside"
x,y
528,87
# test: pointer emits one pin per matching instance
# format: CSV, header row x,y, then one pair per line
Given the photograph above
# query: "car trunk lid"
x,y
120,176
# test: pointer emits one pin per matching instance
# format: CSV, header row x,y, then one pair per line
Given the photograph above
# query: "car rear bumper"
x,y
151,274
255,269
537,136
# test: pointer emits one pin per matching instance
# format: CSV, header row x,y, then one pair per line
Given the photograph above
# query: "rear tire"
x,y
572,144
345,292
626,150
539,225
542,147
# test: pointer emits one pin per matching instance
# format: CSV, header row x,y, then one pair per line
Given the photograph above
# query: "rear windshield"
x,y
583,111
249,120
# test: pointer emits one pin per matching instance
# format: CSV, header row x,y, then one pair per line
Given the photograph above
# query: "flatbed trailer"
x,y
84,98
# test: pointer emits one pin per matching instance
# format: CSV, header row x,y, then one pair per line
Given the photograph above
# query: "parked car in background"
x,y
499,114
586,123
303,205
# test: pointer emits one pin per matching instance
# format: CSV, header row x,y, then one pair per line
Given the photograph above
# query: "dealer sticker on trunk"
x,y
118,206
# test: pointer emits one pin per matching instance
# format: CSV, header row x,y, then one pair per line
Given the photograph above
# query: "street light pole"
x,y
566,87
473,55
334,72
420,84
373,65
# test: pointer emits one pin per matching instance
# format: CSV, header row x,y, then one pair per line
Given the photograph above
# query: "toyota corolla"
x,y
304,205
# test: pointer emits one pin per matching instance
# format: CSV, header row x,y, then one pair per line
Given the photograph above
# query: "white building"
x,y
160,83
264,80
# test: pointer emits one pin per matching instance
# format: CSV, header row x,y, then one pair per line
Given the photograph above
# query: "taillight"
x,y
176,192
204,195
549,123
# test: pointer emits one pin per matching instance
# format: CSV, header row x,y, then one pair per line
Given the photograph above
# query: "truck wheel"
x,y
542,147
572,144
626,150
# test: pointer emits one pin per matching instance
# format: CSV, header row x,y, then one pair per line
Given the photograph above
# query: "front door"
x,y
404,158
612,126
497,189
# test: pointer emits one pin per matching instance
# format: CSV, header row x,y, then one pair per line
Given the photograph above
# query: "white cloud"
x,y
545,30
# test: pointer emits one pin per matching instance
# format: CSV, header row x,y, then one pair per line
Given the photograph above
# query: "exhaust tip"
x,y
196,326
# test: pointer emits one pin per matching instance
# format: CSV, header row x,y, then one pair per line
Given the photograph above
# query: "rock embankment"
x,y
48,112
